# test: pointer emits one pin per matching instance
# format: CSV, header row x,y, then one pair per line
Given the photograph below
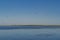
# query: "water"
x,y
30,34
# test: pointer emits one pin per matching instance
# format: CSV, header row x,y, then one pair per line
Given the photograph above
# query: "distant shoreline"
x,y
29,25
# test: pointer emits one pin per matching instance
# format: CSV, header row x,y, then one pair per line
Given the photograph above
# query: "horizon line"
x,y
29,25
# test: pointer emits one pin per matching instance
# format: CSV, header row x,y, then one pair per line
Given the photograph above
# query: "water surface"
x,y
30,34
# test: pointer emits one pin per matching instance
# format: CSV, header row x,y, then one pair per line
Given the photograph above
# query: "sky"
x,y
29,12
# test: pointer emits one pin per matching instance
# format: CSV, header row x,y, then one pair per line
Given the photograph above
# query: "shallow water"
x,y
30,34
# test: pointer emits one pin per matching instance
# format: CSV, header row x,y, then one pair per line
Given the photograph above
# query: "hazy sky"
x,y
44,12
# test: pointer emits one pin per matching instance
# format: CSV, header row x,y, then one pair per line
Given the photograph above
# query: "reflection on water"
x,y
30,34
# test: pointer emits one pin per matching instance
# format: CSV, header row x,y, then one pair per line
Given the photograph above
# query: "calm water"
x,y
30,34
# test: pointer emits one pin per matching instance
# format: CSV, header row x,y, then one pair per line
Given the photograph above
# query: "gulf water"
x,y
30,34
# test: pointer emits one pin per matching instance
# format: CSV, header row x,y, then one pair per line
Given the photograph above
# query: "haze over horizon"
x,y
29,12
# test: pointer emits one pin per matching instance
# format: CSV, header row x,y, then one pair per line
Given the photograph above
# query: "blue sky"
x,y
27,12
